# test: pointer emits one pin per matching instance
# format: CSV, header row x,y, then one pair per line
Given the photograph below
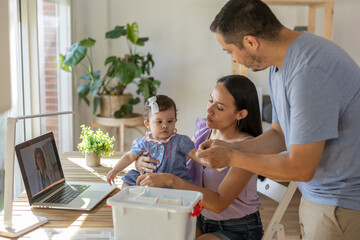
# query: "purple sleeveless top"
x,y
246,203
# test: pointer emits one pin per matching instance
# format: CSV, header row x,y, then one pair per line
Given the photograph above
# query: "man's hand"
x,y
214,142
143,163
214,153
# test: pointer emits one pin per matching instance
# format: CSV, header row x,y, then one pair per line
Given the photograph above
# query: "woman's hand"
x,y
214,153
155,180
111,176
143,163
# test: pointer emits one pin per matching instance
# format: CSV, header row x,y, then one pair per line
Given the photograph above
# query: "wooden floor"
x,y
290,220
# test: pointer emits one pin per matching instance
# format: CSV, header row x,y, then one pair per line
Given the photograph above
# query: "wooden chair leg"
x,y
117,137
279,232
122,136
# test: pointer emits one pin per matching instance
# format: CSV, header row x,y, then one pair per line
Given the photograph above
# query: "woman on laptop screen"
x,y
42,179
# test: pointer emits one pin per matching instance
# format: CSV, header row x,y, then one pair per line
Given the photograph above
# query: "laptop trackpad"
x,y
93,194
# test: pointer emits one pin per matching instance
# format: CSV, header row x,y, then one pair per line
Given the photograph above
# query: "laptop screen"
x,y
39,164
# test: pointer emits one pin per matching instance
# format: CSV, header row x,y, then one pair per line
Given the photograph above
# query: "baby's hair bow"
x,y
153,105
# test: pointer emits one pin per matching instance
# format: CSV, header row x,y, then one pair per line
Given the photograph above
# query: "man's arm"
x,y
298,165
270,142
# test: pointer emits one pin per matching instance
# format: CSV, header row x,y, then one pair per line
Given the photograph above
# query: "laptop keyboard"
x,y
67,194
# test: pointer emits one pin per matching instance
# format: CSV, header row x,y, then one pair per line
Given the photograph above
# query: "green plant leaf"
x,y
141,41
119,67
97,74
110,59
84,89
132,32
86,77
83,97
95,86
136,59
88,42
134,101
157,83
63,66
125,110
144,88
96,103
147,87
75,55
150,59
117,32
111,69
127,73
147,92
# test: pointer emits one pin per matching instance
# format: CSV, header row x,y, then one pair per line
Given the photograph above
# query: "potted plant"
x,y
94,145
134,68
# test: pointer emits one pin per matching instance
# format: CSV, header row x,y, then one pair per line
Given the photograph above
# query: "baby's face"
x,y
162,124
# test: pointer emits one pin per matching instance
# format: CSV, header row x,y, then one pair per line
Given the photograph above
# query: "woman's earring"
x,y
238,122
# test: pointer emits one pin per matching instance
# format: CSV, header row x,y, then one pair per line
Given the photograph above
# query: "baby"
x,y
161,142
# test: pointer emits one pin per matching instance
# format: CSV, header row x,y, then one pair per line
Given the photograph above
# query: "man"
x,y
315,90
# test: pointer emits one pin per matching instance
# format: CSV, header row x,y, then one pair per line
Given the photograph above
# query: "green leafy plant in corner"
x,y
98,142
134,67
74,56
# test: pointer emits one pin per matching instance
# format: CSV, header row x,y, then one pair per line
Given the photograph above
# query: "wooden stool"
x,y
134,120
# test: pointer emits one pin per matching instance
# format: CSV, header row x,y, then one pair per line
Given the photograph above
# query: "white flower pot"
x,y
92,160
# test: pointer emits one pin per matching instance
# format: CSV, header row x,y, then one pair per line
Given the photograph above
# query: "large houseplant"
x,y
134,67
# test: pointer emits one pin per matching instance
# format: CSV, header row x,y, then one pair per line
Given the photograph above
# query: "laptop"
x,y
44,180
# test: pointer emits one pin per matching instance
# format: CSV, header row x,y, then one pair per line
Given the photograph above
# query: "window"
x,y
55,95
38,30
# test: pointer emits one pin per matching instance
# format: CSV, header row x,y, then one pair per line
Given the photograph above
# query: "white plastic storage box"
x,y
155,213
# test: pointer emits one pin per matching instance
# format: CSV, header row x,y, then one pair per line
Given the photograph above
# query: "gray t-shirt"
x,y
316,96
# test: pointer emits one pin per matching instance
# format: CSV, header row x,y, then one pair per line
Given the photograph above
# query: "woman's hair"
x,y
239,18
164,103
39,152
245,96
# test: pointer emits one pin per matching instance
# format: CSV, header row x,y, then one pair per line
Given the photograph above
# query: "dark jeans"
x,y
247,228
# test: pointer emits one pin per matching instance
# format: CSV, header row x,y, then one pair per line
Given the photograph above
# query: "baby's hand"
x,y
111,177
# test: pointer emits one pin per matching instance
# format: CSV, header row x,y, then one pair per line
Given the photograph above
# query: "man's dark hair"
x,y
239,18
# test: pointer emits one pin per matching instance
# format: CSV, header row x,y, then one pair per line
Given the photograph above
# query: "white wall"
x,y
188,59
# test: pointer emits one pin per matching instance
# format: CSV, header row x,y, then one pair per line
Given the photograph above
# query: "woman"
x,y
42,177
230,197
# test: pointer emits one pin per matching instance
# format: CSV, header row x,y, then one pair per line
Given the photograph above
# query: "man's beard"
x,y
254,62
